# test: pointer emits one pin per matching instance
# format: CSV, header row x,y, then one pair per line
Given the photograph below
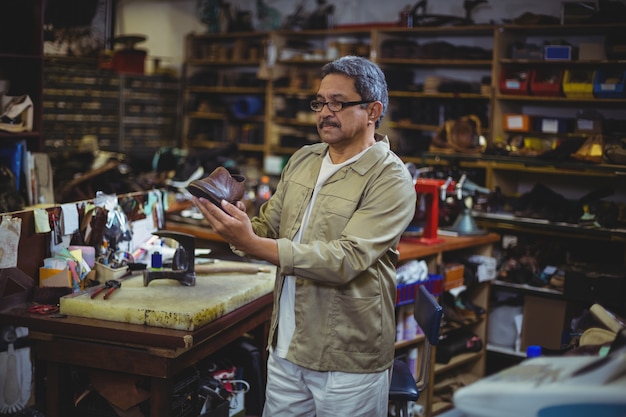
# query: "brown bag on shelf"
x,y
462,135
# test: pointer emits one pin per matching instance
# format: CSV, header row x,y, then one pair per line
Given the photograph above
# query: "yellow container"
x,y
578,83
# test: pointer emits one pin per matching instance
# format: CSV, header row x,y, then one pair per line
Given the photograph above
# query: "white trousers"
x,y
294,391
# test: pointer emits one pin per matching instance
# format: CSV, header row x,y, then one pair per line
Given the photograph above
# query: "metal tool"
x,y
114,286
183,263
111,285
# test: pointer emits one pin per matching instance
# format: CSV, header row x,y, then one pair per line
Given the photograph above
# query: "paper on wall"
x,y
10,231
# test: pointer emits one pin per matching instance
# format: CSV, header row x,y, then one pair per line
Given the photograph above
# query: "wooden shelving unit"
x,y
473,363
21,73
224,102
128,113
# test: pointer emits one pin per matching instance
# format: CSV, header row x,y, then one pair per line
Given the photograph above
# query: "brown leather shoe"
x,y
219,185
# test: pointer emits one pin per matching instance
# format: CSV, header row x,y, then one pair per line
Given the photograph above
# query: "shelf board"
x,y
528,164
224,63
559,99
293,122
505,351
408,343
308,92
458,360
459,30
325,33
526,289
417,62
227,35
419,94
222,117
571,29
410,126
282,150
440,407
303,61
412,250
225,90
507,221
561,63
250,147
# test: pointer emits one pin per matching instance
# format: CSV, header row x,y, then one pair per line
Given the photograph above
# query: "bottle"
x,y
533,351
400,323
263,192
157,259
413,362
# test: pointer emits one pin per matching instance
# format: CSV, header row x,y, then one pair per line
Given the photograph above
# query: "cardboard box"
x,y
543,322
51,277
591,51
453,276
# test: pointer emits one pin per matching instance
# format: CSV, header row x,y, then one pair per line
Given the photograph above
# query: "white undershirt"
x,y
286,318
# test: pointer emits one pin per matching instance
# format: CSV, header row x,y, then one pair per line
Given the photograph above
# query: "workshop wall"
x,y
166,22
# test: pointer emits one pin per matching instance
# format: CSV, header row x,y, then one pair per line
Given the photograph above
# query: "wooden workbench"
x,y
158,354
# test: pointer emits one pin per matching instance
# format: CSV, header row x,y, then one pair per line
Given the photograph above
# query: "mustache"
x,y
328,122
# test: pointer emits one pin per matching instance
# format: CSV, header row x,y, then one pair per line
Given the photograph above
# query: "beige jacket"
x,y
345,263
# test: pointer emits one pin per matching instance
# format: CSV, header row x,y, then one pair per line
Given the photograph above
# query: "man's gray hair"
x,y
369,79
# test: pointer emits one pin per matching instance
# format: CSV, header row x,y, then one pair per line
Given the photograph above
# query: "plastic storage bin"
x,y
553,125
516,122
405,293
609,84
578,83
546,82
515,81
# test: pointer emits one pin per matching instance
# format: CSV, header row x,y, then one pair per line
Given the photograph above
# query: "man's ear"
x,y
375,111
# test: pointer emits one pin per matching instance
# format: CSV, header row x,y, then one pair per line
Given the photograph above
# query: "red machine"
x,y
436,190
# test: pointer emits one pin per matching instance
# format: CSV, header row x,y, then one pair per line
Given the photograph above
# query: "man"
x,y
332,229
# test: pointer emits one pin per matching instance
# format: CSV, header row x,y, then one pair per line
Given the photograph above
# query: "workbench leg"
x,y
161,392
51,385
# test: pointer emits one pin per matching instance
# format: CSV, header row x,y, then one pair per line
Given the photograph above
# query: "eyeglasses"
x,y
334,106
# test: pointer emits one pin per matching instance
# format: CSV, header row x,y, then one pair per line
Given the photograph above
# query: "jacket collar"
x,y
369,159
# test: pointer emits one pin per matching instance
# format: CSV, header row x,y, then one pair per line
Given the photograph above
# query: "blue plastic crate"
x,y
609,84
405,293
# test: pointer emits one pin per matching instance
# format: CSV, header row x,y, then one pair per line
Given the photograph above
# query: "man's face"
x,y
347,125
